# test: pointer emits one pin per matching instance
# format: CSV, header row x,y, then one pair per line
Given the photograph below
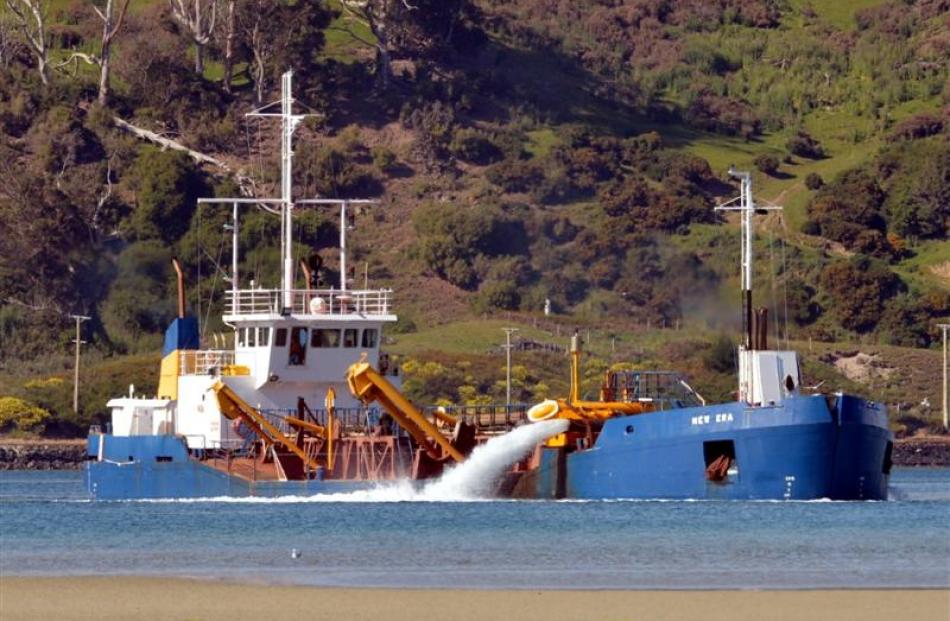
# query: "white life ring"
x,y
543,411
317,306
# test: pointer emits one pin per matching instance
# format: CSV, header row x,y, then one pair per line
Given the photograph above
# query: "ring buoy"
x,y
317,306
543,411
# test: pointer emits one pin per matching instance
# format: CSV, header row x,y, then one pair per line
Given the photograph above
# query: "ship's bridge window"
x,y
370,337
241,335
325,337
280,337
263,337
298,346
251,337
350,338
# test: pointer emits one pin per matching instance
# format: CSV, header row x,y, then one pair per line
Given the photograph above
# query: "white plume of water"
x,y
476,476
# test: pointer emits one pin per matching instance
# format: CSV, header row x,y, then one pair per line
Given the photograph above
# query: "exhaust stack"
x,y
180,277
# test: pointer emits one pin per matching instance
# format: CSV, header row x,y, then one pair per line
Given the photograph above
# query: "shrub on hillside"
x,y
845,208
859,287
813,181
496,295
767,163
473,146
721,357
451,239
803,145
516,175
384,160
919,126
21,415
166,186
723,115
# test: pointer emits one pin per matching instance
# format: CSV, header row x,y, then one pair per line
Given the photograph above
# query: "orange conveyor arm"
x,y
235,408
368,385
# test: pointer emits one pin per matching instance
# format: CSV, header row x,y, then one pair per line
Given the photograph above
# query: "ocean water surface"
x,y
388,537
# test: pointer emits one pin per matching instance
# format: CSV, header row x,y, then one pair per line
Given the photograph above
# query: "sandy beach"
x,y
171,599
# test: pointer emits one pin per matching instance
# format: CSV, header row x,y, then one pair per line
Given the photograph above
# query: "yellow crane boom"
x,y
368,385
234,407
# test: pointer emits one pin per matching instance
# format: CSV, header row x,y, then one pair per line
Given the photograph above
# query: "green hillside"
x,y
522,151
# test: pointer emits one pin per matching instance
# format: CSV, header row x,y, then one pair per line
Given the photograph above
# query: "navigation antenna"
x,y
286,204
746,206
288,124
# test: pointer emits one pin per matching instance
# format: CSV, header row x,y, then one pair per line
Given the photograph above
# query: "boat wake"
x,y
472,480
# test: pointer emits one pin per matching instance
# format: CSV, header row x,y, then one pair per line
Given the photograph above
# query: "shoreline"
x,y
70,454
138,597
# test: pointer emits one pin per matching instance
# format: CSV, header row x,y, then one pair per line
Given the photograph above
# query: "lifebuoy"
x,y
317,306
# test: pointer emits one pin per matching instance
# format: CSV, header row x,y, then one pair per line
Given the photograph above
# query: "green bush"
x,y
383,159
767,163
166,186
814,181
497,294
803,145
721,357
473,146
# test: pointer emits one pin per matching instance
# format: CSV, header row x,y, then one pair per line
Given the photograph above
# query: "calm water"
x,y
46,527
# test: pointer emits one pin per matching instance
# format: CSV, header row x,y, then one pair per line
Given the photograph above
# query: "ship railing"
x,y
486,418
310,302
204,361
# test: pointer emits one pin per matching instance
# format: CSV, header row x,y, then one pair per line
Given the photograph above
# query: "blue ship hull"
x,y
804,449
807,448
153,467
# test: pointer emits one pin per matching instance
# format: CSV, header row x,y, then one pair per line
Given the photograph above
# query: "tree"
x,y
280,34
198,21
859,288
401,28
166,185
229,32
30,18
110,28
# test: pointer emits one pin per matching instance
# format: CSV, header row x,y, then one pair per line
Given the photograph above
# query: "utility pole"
x,y
946,418
508,333
79,319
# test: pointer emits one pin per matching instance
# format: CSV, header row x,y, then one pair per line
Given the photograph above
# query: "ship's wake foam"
x,y
473,479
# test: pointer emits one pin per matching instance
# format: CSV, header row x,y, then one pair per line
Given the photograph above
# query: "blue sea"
x,y
48,527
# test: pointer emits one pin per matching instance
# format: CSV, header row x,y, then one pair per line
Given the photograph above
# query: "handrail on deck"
x,y
310,302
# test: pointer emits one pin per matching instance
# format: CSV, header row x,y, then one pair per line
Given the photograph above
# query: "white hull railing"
x,y
311,302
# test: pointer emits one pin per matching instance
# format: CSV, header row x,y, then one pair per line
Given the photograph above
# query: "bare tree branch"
x,y
31,18
200,30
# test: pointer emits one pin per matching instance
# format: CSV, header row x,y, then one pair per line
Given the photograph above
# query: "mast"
x,y
746,208
343,205
289,123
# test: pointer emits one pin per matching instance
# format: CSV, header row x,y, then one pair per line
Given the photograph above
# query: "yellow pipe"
x,y
583,410
367,385
303,424
330,403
